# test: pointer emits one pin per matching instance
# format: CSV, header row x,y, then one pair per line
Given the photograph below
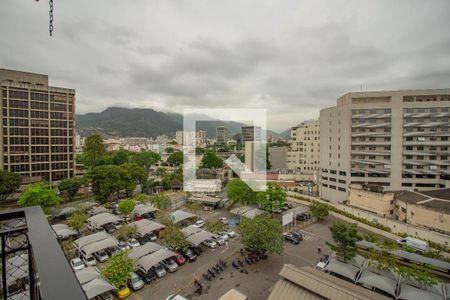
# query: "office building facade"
x,y
395,139
221,135
251,133
38,120
304,150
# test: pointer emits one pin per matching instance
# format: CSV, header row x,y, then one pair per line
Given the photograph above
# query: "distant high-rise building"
x,y
38,126
251,133
221,135
201,138
395,139
179,137
304,150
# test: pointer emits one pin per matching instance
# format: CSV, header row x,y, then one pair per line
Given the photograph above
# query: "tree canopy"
x,y
69,187
273,198
126,231
40,194
77,220
215,226
118,268
146,159
210,160
9,183
319,210
239,191
262,234
161,201
109,179
94,149
174,239
345,237
126,206
176,158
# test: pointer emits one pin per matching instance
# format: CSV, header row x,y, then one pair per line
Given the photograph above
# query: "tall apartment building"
x,y
304,150
251,133
221,135
38,120
201,138
179,137
395,139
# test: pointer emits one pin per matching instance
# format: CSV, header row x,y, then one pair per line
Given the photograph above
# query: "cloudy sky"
x,y
291,57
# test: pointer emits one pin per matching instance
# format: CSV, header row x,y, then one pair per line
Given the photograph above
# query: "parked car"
x,y
89,260
77,264
143,239
197,250
135,283
224,235
111,250
231,233
210,243
297,235
223,220
110,228
170,265
123,246
149,216
133,243
101,256
122,292
199,224
288,236
159,270
105,296
189,255
147,277
218,239
179,259
151,236
303,216
416,244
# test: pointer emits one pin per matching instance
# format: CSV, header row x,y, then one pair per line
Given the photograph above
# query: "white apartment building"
x,y
202,138
304,151
395,139
179,137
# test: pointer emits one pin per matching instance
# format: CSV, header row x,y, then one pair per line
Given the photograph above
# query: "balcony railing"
x,y
33,265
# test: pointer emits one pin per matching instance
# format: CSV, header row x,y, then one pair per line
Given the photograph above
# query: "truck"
x,y
416,244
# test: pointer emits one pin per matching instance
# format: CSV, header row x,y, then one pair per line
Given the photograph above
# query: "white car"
x,y
224,235
231,233
77,264
101,256
199,224
133,243
123,246
223,220
210,243
218,239
89,260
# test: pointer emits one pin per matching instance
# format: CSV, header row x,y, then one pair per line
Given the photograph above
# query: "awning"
x,y
146,226
100,245
343,269
97,287
103,219
143,250
385,284
148,261
190,230
408,292
197,238
141,209
88,239
87,274
181,215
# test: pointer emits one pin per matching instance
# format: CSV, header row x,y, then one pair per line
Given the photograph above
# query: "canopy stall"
x,y
181,215
148,261
190,230
63,231
99,245
97,287
382,283
141,209
98,210
145,226
408,292
147,248
87,274
88,239
342,269
103,219
197,238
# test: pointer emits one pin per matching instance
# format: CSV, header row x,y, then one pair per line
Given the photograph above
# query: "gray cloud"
x,y
291,57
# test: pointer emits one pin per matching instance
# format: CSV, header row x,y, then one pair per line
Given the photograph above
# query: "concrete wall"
x,y
381,204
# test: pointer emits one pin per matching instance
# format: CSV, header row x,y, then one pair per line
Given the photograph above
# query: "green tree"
x,y
136,174
176,158
146,159
160,171
170,180
273,198
77,220
142,198
240,192
174,239
118,268
161,202
126,206
68,248
319,210
40,194
169,149
262,234
345,237
94,149
126,231
121,156
9,183
210,160
110,179
215,226
164,217
69,187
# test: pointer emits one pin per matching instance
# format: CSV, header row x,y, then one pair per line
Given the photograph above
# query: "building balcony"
x,y
372,125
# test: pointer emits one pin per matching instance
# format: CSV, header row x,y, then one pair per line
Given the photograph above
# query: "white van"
x,y
416,244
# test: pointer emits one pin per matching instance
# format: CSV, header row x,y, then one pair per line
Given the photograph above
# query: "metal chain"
x,y
51,17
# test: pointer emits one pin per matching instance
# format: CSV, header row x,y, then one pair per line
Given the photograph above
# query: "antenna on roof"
x,y
50,26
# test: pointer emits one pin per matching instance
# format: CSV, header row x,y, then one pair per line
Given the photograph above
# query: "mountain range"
x,y
146,122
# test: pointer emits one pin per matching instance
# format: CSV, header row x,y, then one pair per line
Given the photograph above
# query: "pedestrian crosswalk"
x,y
307,237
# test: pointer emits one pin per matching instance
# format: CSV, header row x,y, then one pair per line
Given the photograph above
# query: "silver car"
x,y
210,243
101,256
159,270
135,283
170,265
89,260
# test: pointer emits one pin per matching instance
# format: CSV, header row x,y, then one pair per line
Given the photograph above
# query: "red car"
x,y
180,259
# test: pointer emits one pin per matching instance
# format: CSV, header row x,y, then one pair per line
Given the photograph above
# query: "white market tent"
x,y
145,226
181,215
88,239
97,287
408,292
190,230
343,269
371,279
141,209
99,245
147,248
148,261
103,219
197,238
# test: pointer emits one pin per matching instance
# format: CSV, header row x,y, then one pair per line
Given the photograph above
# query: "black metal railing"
x,y
33,265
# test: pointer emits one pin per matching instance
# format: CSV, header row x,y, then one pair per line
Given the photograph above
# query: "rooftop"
x,y
435,199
